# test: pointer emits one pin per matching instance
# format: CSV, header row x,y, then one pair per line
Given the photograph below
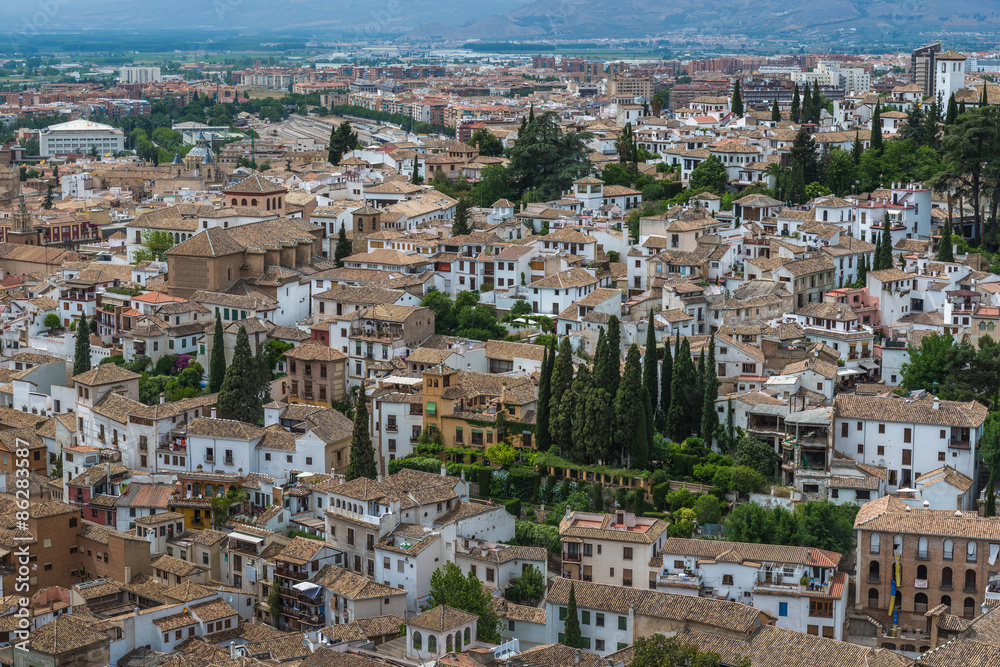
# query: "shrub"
x,y
660,492
679,499
514,507
531,534
708,509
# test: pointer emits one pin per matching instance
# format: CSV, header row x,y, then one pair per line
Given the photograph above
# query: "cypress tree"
x,y
856,149
946,253
415,176
983,99
630,413
709,416
682,389
362,462
598,494
806,107
737,105
343,248
572,636
600,376
614,354
961,107
239,396
876,140
542,439
698,398
862,271
951,115
460,225
775,112
559,383
565,426
650,363
666,371
877,255
796,105
81,361
217,364
641,447
886,242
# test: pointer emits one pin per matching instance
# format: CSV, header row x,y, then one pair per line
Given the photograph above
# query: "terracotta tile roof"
x,y
351,585
517,612
224,428
771,646
105,374
441,618
65,634
893,408
365,628
314,351
655,529
740,552
729,616
557,655
212,610
570,278
888,514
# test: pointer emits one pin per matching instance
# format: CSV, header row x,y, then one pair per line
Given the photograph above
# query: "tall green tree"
x,y
630,411
806,108
928,364
709,415
796,105
542,438
362,461
803,153
775,112
343,248
342,140
683,409
47,204
613,349
546,160
914,126
563,430
240,394
952,114
559,384
666,375
572,635
971,147
737,101
650,367
81,360
450,587
990,448
460,225
856,149
415,174
710,174
217,364
946,250
488,143
876,138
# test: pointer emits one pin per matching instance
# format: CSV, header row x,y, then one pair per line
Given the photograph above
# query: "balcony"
x,y
391,428
572,557
682,580
289,573
228,460
959,444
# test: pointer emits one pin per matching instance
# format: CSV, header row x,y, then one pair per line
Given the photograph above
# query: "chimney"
x,y
576,656
213,412
163,398
444,470
937,403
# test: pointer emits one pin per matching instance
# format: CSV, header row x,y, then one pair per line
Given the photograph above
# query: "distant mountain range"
x,y
805,20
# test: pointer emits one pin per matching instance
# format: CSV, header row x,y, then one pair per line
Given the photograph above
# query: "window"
x,y
782,609
599,620
948,553
874,543
821,608
970,552
623,622
627,553
881,428
907,435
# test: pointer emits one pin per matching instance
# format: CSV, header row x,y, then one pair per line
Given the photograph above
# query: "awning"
x,y
845,372
246,538
305,586
869,365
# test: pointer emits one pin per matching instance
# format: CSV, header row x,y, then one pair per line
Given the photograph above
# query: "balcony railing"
x,y
960,444
289,573
572,557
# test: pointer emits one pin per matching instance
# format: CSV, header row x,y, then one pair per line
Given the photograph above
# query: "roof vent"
x,y
958,513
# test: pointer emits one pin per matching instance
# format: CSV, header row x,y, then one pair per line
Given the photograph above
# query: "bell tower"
x,y
22,228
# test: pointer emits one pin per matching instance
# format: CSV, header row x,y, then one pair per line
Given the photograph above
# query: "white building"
x,y
767,577
80,136
882,431
140,75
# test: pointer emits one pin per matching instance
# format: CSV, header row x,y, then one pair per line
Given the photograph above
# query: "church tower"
x,y
22,228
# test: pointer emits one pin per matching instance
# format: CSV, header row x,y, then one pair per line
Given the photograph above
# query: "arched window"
x,y
448,642
824,216
468,636
921,572
253,202
458,641
417,641
873,598
244,201
727,580
969,608
949,550
922,547
234,201
946,578
268,201
874,543
279,202
920,602
432,643
897,543
946,601
970,552
873,572
970,581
